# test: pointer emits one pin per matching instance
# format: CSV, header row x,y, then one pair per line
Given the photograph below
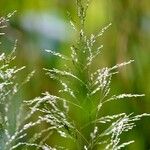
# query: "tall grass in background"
x,y
76,113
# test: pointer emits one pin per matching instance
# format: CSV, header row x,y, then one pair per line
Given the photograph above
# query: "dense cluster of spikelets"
x,y
9,87
75,113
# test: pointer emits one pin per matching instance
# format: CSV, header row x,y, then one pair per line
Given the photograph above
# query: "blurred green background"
x,y
43,24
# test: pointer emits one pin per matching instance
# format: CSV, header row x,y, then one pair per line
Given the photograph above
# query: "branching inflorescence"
x,y
75,113
9,87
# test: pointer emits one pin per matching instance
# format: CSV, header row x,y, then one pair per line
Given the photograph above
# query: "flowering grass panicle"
x,y
9,87
75,113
